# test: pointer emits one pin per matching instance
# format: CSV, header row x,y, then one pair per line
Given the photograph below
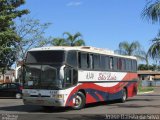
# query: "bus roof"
x,y
82,48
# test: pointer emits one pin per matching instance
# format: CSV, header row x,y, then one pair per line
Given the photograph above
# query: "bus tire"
x,y
124,96
80,101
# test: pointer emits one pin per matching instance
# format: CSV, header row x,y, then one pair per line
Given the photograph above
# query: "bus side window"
x,y
90,61
104,62
134,65
115,63
96,61
111,63
82,59
79,60
119,64
128,65
123,65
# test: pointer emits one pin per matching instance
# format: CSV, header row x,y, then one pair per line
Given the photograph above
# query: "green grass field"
x,y
144,89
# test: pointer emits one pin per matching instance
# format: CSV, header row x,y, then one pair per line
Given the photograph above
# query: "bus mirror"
x,y
61,76
61,72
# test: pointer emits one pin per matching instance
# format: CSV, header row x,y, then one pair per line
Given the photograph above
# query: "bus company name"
x,y
107,76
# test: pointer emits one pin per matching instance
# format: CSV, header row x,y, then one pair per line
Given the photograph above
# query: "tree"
x,y
154,49
132,49
144,57
31,32
152,11
75,39
148,67
126,48
59,42
8,37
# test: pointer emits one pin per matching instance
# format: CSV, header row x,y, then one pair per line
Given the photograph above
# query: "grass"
x,y
144,89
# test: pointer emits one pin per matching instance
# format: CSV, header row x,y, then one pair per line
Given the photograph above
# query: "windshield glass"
x,y
41,77
45,57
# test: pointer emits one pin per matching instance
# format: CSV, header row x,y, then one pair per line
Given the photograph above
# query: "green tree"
x,y
154,49
152,11
126,48
75,39
144,57
8,37
143,67
59,42
132,49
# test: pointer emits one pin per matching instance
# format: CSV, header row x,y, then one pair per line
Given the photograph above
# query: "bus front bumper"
x,y
43,101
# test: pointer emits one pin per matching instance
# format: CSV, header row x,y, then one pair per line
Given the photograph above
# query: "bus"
x,y
75,76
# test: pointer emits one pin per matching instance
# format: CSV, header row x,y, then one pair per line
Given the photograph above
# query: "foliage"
x,y
132,49
154,50
142,89
152,11
31,32
74,40
68,40
8,37
59,42
148,67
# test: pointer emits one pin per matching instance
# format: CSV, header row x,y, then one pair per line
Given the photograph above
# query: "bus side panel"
x,y
132,89
96,92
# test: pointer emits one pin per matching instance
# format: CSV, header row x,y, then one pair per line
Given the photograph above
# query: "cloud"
x,y
74,3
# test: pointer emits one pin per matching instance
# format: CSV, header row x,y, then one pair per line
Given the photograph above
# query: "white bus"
x,y
75,76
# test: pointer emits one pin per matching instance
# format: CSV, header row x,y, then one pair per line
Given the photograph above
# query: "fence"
x,y
146,83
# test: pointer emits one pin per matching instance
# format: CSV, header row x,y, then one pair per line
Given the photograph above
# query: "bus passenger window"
x,y
134,65
79,60
104,62
90,61
96,60
115,62
119,64
111,63
82,60
123,65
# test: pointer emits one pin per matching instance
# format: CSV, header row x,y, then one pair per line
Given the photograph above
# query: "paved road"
x,y
140,104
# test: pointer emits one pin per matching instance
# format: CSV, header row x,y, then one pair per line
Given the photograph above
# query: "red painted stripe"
x,y
89,98
113,89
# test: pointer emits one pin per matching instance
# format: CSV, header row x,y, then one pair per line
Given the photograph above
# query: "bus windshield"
x,y
41,77
49,57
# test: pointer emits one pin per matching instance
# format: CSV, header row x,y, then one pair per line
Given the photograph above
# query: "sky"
x,y
103,23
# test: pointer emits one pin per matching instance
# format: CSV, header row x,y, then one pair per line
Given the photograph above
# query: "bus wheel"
x,y
79,101
124,96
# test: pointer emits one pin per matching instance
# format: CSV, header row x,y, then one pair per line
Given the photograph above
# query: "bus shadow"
x,y
39,109
32,109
